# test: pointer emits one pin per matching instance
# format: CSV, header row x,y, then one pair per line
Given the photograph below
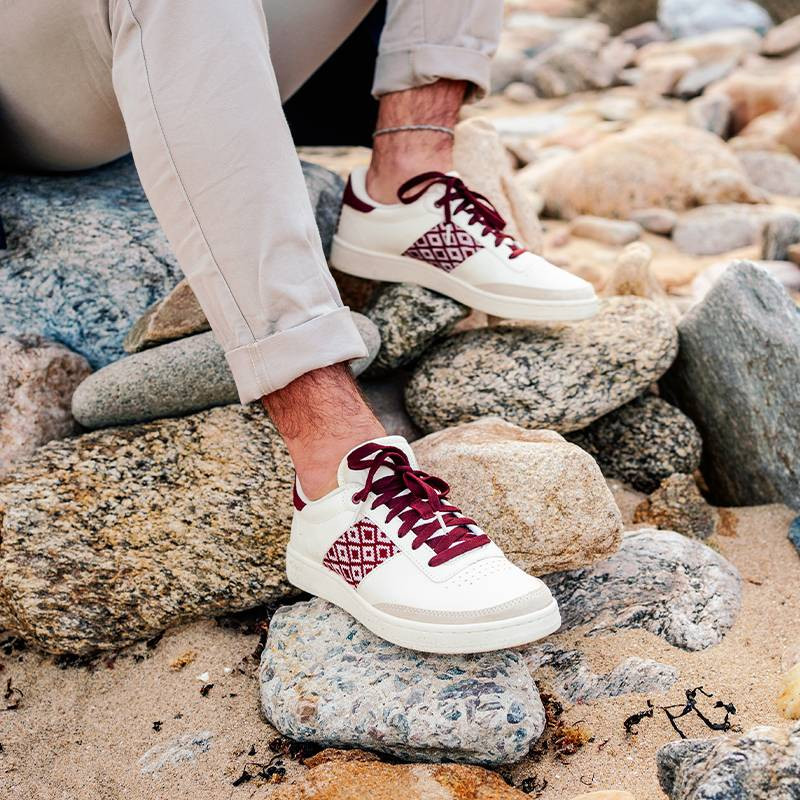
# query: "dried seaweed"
x,y
634,719
565,739
206,688
533,784
686,709
13,696
272,772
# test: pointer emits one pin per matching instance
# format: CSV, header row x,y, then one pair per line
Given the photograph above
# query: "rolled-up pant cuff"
x,y
270,364
418,66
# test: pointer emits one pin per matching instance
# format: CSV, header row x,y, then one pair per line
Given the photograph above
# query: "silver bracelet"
x,y
400,128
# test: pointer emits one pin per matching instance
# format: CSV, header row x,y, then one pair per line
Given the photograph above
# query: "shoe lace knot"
x,y
418,500
457,197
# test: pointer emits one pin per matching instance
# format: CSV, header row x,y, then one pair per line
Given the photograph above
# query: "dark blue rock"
x,y
86,256
794,533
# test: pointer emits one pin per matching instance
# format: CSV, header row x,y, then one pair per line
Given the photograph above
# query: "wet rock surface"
x,y
674,587
562,376
37,379
642,443
101,535
738,347
762,764
482,708
525,488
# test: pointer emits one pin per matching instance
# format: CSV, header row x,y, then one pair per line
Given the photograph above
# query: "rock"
x,y
483,164
778,235
761,764
620,15
608,231
793,253
780,10
173,379
185,747
362,779
785,272
525,488
720,228
173,317
687,18
656,220
385,397
677,505
670,166
738,347
37,379
694,81
575,682
782,38
547,376
711,113
661,74
642,442
111,536
644,33
789,698
519,92
86,256
729,44
794,533
673,587
481,708
778,173
409,319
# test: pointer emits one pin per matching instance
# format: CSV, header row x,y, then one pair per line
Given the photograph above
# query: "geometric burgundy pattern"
x,y
444,246
357,552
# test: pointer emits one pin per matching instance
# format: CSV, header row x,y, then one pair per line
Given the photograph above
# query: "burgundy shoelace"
x,y
418,499
456,191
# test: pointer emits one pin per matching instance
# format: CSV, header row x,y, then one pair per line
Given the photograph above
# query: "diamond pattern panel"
x,y
357,552
445,246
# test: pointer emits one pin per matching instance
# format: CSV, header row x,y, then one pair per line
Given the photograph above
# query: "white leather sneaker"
x,y
390,550
449,239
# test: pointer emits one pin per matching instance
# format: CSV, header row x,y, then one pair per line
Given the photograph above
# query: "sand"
x,y
81,730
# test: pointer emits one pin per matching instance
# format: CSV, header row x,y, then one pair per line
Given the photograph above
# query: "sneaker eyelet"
x,y
353,500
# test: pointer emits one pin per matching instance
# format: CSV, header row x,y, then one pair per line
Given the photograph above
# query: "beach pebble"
x,y
409,319
655,220
526,488
782,38
779,235
710,113
642,442
674,587
739,346
561,376
413,705
758,765
666,166
173,379
607,231
157,524
717,229
569,675
789,698
688,18
37,379
777,173
794,533
677,505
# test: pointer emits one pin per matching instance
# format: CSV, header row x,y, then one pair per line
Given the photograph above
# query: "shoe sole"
x,y
427,637
377,266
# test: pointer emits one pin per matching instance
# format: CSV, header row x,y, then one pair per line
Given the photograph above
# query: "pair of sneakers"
x,y
387,546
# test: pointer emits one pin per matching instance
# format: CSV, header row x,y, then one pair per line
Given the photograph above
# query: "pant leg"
x,y
203,113
424,40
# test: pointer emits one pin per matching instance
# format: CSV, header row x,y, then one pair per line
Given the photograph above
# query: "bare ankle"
x,y
321,416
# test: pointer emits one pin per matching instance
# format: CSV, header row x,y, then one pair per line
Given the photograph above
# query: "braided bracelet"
x,y
400,128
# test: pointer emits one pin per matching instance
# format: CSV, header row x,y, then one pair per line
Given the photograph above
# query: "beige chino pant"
x,y
193,88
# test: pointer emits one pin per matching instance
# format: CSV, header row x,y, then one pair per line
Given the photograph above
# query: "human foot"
x,y
449,239
387,547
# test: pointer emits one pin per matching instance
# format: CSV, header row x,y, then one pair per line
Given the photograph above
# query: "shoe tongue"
x,y
347,475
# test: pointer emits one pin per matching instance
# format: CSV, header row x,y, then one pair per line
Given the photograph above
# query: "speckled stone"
x,y
326,679
359,779
568,674
526,488
173,317
677,505
37,379
173,379
409,319
737,377
111,536
676,588
762,764
550,376
642,443
86,256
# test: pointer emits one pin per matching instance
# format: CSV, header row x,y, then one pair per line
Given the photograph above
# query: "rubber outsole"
x,y
427,637
377,266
